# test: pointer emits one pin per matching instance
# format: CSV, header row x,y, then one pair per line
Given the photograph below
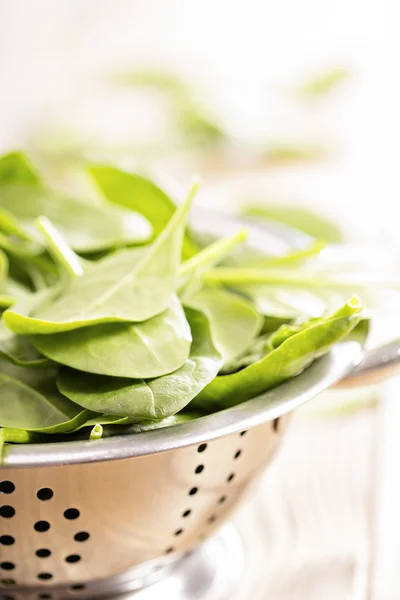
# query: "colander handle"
x,y
378,365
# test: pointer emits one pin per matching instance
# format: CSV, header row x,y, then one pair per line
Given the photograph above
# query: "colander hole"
x,y
45,494
73,558
238,453
202,447
7,511
41,526
199,469
78,587
212,519
71,514
169,550
275,424
7,566
43,553
178,532
45,576
7,487
7,581
222,500
81,536
242,433
186,513
193,491
230,477
7,540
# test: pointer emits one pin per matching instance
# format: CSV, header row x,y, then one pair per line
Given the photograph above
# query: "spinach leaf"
x,y
3,270
140,194
130,285
153,398
323,83
234,321
10,226
293,355
299,218
29,400
15,167
16,348
87,227
135,350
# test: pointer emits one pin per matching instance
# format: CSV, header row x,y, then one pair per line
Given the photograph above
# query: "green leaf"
x,y
130,285
139,194
29,400
16,168
18,349
3,270
11,226
302,219
323,83
284,152
234,321
154,398
135,350
87,227
291,357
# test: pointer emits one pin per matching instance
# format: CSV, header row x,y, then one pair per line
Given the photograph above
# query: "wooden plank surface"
x,y
307,529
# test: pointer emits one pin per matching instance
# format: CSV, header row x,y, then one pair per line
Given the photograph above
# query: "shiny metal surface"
x,y
211,571
378,365
74,524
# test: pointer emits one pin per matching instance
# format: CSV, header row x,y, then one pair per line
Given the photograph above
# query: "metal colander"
x,y
90,519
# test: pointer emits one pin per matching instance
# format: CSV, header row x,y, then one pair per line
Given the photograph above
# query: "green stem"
x,y
59,248
292,257
213,253
6,301
97,432
293,278
11,226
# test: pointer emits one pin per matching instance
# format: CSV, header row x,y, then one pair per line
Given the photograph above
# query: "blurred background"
x,y
273,104
288,102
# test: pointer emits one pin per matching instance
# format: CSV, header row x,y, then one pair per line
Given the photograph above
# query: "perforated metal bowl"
x,y
81,519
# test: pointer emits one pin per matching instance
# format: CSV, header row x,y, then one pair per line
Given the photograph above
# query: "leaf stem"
x,y
294,278
59,248
214,252
97,432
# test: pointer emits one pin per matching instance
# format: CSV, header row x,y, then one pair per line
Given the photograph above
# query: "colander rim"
x,y
321,375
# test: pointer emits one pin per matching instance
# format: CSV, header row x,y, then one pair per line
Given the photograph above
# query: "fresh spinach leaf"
x,y
323,83
304,220
10,226
141,195
29,400
130,285
153,398
288,360
16,168
152,348
234,321
86,226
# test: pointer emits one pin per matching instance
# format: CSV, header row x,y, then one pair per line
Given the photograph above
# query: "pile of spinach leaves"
x,y
115,319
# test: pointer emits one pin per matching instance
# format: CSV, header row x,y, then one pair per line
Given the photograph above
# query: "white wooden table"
x,y
308,529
